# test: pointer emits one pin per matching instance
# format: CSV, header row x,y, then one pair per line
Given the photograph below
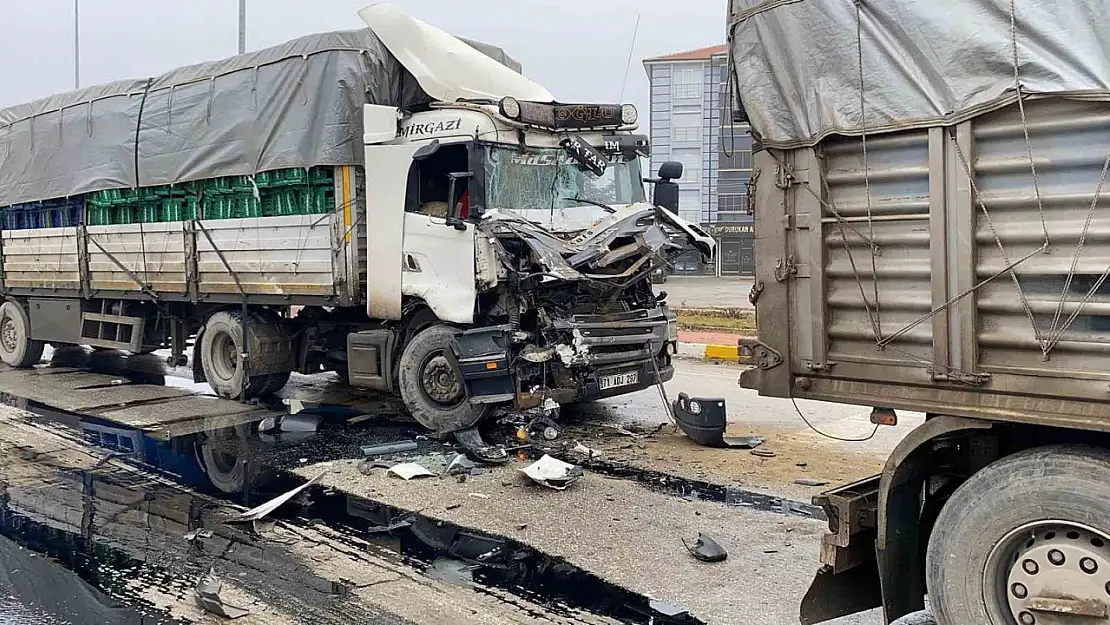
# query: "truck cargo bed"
x,y
927,316
282,259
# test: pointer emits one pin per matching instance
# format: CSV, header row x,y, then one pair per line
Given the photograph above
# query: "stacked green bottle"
x,y
268,194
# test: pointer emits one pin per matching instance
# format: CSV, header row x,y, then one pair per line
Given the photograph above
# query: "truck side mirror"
x,y
452,205
666,190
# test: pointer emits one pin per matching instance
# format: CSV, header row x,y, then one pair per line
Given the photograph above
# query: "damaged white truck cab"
x,y
511,243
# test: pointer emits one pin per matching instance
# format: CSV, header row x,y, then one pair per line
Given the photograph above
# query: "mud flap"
x,y
198,366
483,358
370,359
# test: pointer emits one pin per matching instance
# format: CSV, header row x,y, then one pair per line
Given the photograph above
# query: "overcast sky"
x,y
578,49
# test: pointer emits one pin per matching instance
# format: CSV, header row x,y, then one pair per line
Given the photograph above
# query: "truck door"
x,y
438,257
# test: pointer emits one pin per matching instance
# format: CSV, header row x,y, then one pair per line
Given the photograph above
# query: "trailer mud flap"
x,y
483,357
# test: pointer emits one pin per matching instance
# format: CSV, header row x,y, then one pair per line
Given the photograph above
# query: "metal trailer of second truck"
x,y
930,237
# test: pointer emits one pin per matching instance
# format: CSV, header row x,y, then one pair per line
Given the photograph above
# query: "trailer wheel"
x,y
221,352
432,386
1023,530
17,348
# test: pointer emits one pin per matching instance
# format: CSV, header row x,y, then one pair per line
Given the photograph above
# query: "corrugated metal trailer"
x,y
958,271
318,259
940,277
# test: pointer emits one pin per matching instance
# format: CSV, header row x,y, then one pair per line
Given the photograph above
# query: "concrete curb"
x,y
700,351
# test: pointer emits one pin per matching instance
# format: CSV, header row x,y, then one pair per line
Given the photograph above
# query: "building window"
x,y
686,127
732,207
687,83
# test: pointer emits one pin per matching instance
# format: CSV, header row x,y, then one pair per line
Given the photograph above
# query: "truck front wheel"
x,y
1025,540
17,348
432,386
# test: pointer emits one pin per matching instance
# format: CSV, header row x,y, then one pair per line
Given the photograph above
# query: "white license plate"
x,y
621,379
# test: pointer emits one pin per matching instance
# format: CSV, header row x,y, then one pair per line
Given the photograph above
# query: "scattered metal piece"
x,y
805,481
623,431
522,526
454,506
770,551
665,609
362,418
410,470
197,533
802,464
479,450
479,495
255,514
743,442
764,453
207,593
553,473
389,448
706,549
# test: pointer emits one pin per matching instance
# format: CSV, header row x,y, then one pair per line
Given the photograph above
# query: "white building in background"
x,y
691,123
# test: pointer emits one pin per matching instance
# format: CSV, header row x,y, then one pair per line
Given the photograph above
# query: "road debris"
x,y
461,465
553,473
198,533
255,514
410,470
763,453
744,442
480,451
366,467
207,593
665,609
389,448
706,549
582,450
623,431
291,424
704,421
805,481
479,495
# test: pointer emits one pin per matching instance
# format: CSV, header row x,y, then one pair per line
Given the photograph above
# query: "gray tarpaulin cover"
x,y
298,104
924,62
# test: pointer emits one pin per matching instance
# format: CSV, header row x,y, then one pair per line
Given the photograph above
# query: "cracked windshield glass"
x,y
548,178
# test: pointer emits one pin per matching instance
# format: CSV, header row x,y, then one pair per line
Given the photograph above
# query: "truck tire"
x,y
221,349
1037,519
17,348
431,385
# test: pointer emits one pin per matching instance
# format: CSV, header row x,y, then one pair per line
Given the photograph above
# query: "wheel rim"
x,y
440,381
9,334
1047,560
225,356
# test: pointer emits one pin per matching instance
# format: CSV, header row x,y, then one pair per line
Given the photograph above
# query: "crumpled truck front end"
x,y
576,318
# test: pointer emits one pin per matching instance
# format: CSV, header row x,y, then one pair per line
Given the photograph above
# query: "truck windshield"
x,y
546,178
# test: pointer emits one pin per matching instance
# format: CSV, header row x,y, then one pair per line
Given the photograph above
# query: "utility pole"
x,y
242,26
76,44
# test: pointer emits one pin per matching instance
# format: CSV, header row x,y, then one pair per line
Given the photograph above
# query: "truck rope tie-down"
x,y
1046,340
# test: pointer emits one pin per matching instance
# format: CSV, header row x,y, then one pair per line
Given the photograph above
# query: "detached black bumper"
x,y
592,390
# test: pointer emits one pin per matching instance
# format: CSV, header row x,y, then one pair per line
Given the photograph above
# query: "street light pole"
x,y
242,26
76,44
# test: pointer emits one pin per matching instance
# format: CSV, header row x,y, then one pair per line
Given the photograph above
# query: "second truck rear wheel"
x,y
1017,534
221,353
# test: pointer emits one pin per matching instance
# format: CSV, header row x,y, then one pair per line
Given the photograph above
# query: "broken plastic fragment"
x,y
553,473
706,549
461,464
255,514
410,470
666,609
207,593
